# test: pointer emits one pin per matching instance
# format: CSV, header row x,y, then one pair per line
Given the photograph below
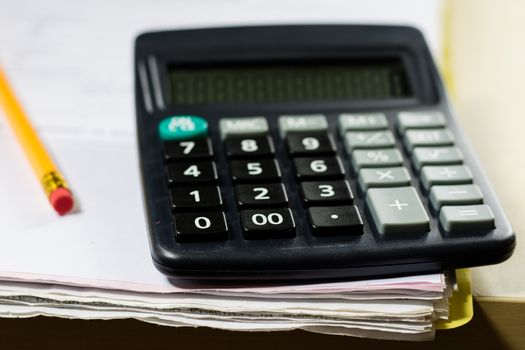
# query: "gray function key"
x,y
243,126
467,218
368,139
420,120
361,122
376,158
422,156
302,123
397,210
455,195
383,177
425,138
445,175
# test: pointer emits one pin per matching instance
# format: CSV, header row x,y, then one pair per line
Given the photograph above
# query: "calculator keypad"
x,y
262,201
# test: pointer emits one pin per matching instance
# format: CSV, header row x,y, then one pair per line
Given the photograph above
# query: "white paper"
x,y
71,65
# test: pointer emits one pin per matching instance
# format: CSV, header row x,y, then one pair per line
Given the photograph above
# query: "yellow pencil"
x,y
52,181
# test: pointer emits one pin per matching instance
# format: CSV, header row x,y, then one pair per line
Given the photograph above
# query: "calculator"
x,y
306,152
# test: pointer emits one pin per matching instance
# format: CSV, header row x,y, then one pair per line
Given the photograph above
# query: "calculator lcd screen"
x,y
288,82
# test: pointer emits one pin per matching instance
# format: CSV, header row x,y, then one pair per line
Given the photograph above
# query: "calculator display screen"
x,y
288,82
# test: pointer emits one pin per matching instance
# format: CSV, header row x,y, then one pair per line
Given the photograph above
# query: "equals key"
x,y
467,218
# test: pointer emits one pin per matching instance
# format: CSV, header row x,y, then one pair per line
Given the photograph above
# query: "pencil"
x,y
45,170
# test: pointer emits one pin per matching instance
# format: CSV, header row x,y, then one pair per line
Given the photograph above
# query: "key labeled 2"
x,y
254,170
267,223
267,195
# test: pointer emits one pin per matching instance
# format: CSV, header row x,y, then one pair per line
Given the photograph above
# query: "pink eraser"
x,y
62,200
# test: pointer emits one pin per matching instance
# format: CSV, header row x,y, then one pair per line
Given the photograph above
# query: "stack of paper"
x,y
400,308
73,71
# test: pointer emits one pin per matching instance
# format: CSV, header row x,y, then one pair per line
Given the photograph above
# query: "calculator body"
x,y
373,248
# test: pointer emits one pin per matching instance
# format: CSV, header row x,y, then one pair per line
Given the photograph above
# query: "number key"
x,y
255,146
200,227
257,170
310,143
268,195
325,168
195,197
188,149
323,192
267,223
191,172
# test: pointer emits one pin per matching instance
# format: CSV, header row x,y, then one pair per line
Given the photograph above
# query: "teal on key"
x,y
183,127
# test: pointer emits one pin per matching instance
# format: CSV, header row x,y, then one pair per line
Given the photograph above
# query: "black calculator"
x,y
306,152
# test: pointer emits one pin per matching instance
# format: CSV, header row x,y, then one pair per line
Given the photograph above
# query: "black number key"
x,y
310,143
335,220
320,167
260,170
200,227
268,195
326,192
256,146
267,223
198,197
189,172
190,149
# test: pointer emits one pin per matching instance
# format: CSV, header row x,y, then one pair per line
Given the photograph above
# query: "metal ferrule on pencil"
x,y
52,181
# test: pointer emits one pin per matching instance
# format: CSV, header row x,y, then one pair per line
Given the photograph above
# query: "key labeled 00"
x,y
267,223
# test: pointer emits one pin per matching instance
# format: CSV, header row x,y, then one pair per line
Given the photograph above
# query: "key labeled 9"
x,y
310,143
